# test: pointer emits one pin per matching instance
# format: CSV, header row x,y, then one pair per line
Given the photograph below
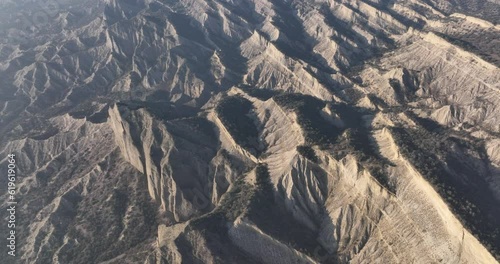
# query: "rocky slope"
x,y
252,131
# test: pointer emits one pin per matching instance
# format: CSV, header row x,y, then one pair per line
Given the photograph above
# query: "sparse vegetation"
x,y
480,43
316,129
308,153
433,150
233,112
262,94
270,215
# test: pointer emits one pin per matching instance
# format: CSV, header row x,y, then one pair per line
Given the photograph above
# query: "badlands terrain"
x,y
251,131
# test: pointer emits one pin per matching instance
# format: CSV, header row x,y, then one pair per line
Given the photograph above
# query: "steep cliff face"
x,y
252,131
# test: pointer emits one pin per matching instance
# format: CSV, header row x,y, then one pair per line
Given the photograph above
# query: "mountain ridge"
x,y
282,132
